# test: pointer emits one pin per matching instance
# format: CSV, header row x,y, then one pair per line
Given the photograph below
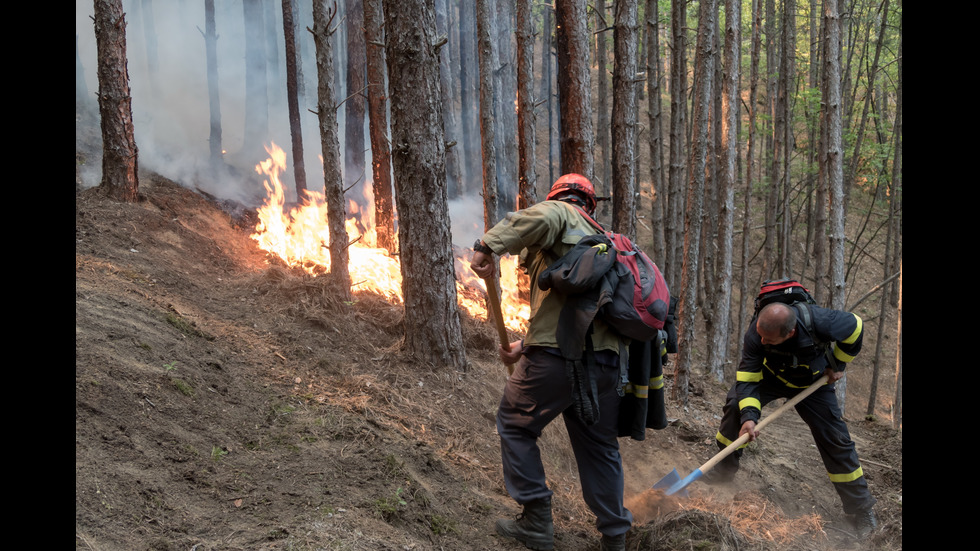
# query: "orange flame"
x,y
301,238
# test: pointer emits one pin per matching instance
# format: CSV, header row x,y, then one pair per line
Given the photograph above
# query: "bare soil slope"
x,y
224,402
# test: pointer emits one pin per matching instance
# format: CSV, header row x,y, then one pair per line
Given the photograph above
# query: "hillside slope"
x,y
224,402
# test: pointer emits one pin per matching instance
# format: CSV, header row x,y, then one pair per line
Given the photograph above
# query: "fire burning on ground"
x,y
301,238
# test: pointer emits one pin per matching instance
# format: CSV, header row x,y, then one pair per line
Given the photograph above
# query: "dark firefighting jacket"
x,y
832,338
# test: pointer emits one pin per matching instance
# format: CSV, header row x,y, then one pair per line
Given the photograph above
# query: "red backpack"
x,y
640,300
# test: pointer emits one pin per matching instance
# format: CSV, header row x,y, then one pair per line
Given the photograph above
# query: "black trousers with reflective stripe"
x,y
822,414
537,393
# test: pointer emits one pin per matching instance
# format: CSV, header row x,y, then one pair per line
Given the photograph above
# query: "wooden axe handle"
x,y
498,317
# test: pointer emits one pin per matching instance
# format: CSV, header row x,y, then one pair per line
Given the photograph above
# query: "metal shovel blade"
x,y
669,482
682,484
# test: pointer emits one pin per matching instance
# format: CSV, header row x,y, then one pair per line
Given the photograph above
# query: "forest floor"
x,y
223,401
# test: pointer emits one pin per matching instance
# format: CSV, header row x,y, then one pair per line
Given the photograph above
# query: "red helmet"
x,y
576,185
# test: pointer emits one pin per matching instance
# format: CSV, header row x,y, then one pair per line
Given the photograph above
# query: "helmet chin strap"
x,y
572,197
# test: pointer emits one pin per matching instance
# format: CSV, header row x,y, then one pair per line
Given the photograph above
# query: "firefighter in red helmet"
x,y
539,390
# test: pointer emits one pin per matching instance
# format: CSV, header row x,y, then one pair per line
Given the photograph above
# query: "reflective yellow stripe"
x,y
640,392
842,356
857,330
726,442
846,477
748,376
657,383
784,381
749,402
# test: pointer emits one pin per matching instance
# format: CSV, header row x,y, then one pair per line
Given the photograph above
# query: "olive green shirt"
x,y
541,234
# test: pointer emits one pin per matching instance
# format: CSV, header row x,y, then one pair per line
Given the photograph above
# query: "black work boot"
x,y
865,523
534,527
613,543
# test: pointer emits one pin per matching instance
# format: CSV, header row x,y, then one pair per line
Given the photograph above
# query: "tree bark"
x,y
692,225
432,325
453,177
487,113
750,162
604,179
574,88
354,104
292,89
678,142
377,92
833,160
526,119
657,181
333,185
718,340
214,102
624,120
120,163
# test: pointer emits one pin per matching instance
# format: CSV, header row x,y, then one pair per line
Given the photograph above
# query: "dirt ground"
x,y
225,402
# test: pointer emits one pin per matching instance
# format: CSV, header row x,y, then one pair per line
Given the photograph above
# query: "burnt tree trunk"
x,y
574,88
432,324
120,163
377,74
333,185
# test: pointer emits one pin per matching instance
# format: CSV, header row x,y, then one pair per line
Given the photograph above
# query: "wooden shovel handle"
x,y
498,317
761,424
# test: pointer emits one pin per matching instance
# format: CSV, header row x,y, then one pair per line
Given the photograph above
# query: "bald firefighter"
x,y
785,350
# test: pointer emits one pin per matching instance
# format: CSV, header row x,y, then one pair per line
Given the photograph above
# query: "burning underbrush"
x,y
299,237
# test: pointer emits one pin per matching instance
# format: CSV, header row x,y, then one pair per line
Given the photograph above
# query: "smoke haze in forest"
x,y
170,105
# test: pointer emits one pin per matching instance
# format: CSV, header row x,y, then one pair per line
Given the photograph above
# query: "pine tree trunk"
x,y
354,104
834,162
674,235
658,183
488,142
453,177
718,340
468,96
574,88
333,185
295,128
897,408
377,92
120,163
603,180
432,324
505,84
693,216
211,55
624,120
526,119
750,162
